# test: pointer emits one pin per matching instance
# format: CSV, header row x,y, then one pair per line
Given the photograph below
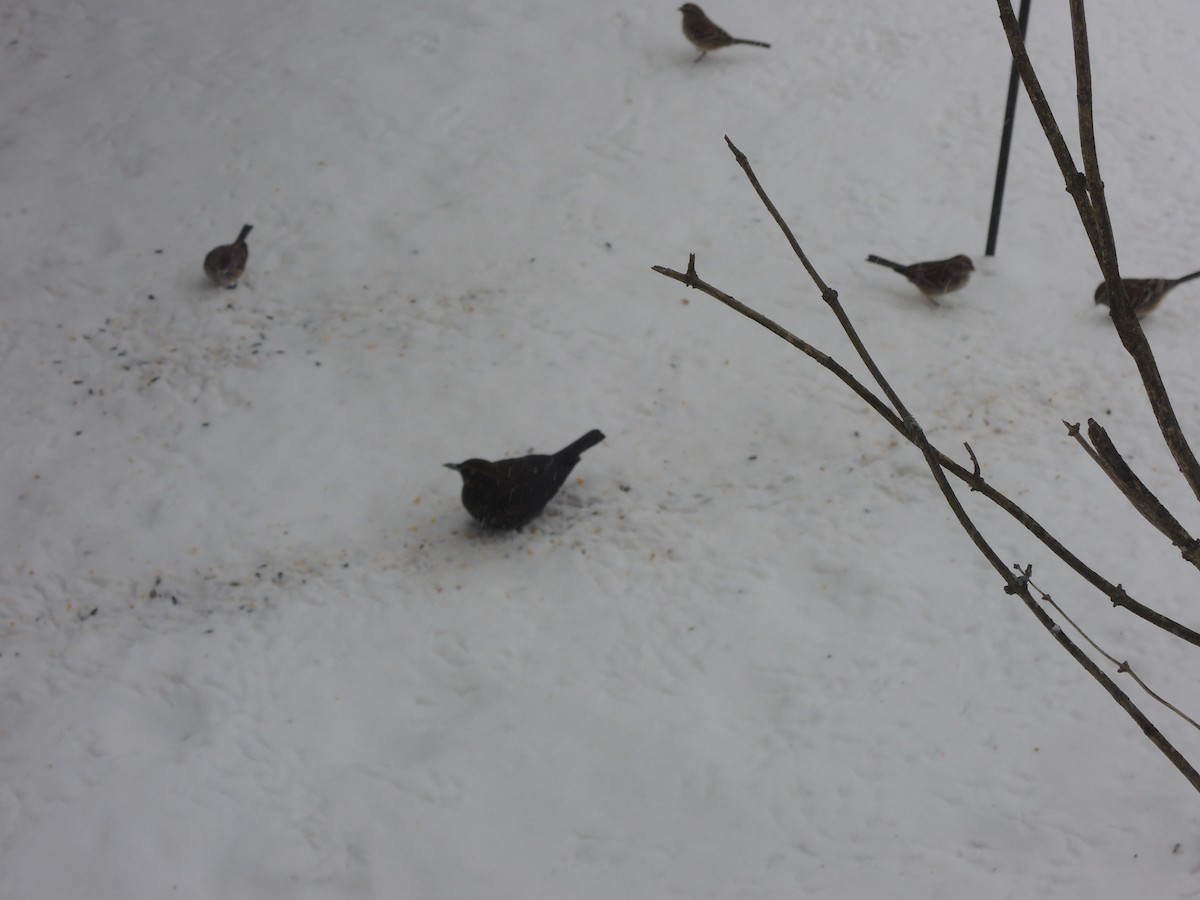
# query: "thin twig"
x,y
976,472
1141,497
1123,667
827,293
1074,431
1107,249
692,280
1076,184
911,427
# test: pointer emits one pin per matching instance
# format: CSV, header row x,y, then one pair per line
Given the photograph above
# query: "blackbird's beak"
x,y
454,466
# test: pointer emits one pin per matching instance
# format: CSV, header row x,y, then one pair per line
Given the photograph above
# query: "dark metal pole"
x,y
1010,110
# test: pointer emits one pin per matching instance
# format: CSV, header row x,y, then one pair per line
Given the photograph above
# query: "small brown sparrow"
x,y
936,277
707,34
225,264
1144,293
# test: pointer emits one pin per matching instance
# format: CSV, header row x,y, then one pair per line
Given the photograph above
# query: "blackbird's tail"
x,y
591,439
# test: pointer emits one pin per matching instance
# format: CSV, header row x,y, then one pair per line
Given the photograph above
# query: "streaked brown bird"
x,y
707,34
1144,293
225,264
510,493
933,278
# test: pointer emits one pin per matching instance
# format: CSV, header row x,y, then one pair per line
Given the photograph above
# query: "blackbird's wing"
x,y
521,489
534,480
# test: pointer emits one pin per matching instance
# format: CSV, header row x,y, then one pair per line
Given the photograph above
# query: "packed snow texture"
x,y
253,646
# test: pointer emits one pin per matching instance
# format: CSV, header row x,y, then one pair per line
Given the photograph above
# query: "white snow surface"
x,y
253,647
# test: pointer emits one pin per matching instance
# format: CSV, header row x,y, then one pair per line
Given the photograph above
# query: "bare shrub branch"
x,y
1123,667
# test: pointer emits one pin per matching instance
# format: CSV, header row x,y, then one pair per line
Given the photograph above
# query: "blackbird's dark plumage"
x,y
510,493
225,264
706,34
1144,293
936,277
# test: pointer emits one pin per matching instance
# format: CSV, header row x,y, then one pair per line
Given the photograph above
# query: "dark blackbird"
x,y
510,493
1144,293
225,264
936,277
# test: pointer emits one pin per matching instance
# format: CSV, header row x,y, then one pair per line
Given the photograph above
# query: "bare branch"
x,y
1123,667
976,479
1075,432
829,295
1075,181
1136,492
692,280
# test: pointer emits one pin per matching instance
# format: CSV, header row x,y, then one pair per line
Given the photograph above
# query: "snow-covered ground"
x,y
252,645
